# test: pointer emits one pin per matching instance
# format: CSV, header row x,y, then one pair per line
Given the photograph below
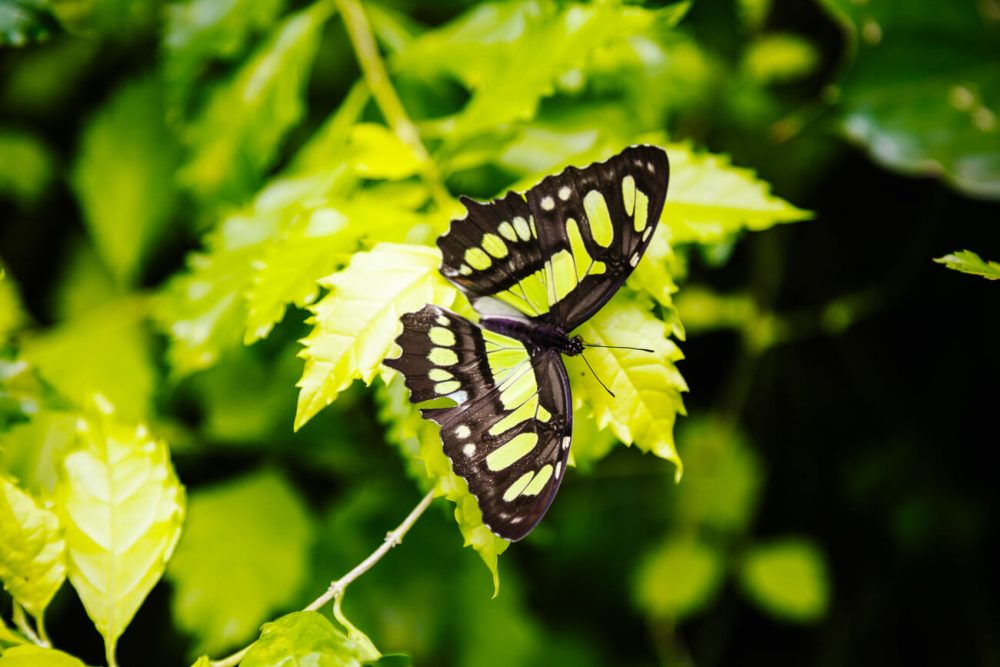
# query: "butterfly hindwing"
x,y
566,245
509,431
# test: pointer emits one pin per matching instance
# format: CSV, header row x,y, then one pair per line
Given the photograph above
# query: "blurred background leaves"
x,y
183,183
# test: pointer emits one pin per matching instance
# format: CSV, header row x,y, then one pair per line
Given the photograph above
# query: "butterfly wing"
x,y
508,434
559,252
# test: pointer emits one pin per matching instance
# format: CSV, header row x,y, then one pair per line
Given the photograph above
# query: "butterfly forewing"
x,y
508,433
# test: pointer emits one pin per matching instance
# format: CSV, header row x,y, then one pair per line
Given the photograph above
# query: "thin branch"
x,y
374,72
336,590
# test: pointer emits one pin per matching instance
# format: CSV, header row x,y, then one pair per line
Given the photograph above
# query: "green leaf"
x,y
36,656
124,174
32,553
779,57
93,18
199,32
647,386
678,578
121,507
232,151
8,636
922,95
12,315
103,351
25,21
967,261
788,579
244,555
709,199
420,442
356,324
305,638
26,167
375,151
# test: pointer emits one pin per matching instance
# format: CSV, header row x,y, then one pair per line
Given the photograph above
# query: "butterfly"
x,y
534,266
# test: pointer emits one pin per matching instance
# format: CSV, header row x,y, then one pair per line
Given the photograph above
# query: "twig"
x,y
374,72
336,590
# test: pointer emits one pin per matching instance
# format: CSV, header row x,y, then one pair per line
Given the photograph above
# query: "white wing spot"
x,y
645,234
565,444
459,396
548,203
442,320
558,469
650,167
462,432
634,259
565,192
469,449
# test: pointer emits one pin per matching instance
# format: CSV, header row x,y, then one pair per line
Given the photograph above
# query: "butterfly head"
x,y
574,346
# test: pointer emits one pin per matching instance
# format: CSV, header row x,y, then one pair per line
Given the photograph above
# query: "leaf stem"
x,y
336,590
375,75
21,621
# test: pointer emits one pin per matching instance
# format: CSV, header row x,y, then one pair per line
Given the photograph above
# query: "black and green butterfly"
x,y
535,266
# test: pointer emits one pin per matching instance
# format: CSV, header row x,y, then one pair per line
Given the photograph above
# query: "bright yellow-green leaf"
x,y
647,386
36,656
780,57
222,594
25,164
232,150
420,442
8,636
106,351
678,578
121,507
124,177
788,578
590,443
32,552
709,199
375,151
305,638
704,310
33,450
12,315
84,284
967,261
202,661
355,325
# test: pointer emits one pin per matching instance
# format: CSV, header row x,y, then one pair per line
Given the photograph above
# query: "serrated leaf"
x,y
419,441
124,176
221,594
32,553
26,167
654,275
200,31
678,578
304,638
232,151
967,261
779,57
709,199
25,21
121,507
36,656
106,351
787,578
355,325
647,386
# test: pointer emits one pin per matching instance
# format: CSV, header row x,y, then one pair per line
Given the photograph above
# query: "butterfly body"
x,y
534,266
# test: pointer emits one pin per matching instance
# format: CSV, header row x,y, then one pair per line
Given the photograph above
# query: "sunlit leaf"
x,y
26,167
232,150
221,595
967,261
32,553
121,507
420,442
788,578
200,31
356,324
375,151
106,351
26,21
85,283
8,636
678,578
779,57
124,174
305,638
36,656
702,310
647,386
12,315
709,199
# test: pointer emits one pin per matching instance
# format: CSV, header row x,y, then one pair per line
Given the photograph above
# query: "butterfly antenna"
x,y
620,347
596,377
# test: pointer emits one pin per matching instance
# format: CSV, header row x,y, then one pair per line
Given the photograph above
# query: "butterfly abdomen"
x,y
540,337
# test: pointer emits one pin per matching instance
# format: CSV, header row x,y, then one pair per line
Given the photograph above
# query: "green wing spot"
x,y
478,259
440,375
641,210
522,228
515,489
539,481
512,452
495,246
449,387
507,231
442,336
599,218
628,194
440,356
563,279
